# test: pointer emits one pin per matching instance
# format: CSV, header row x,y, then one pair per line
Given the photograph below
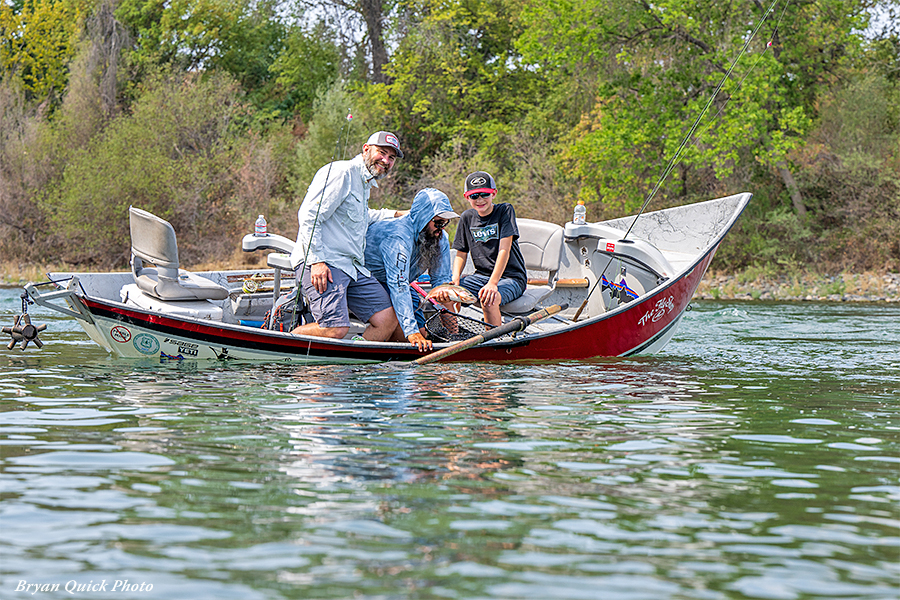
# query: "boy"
x,y
489,233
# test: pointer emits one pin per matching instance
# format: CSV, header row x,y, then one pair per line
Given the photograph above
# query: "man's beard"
x,y
429,248
369,161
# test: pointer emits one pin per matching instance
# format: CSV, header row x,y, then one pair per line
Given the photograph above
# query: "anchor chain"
x,y
22,330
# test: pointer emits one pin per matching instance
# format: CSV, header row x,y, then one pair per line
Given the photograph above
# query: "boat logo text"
x,y
663,306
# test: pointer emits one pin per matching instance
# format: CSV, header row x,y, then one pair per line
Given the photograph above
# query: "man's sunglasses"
x,y
478,195
440,223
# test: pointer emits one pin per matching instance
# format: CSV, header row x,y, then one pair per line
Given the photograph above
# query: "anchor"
x,y
22,330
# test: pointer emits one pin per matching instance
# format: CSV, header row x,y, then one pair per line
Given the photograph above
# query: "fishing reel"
x,y
23,331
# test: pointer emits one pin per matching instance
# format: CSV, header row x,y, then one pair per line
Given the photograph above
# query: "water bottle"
x,y
261,226
580,212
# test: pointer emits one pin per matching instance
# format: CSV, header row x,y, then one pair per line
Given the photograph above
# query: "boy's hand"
x,y
489,295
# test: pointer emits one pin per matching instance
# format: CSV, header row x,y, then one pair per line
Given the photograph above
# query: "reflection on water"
x,y
756,458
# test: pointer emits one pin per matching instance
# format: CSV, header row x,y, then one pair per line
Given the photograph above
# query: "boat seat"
x,y
541,244
153,241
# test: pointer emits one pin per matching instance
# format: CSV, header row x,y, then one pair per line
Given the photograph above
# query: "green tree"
x,y
172,155
309,64
655,67
240,37
456,74
36,43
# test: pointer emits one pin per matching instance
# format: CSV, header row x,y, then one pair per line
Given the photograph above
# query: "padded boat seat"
x,y
153,240
541,244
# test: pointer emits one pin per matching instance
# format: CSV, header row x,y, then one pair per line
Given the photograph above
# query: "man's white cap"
x,y
387,139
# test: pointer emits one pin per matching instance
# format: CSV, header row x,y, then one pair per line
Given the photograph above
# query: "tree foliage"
x,y
170,156
456,74
211,111
309,64
37,42
655,68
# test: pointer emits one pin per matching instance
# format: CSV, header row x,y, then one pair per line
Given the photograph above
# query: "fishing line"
x,y
737,89
684,141
670,167
337,149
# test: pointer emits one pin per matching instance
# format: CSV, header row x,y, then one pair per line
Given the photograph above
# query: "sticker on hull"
x,y
146,344
120,334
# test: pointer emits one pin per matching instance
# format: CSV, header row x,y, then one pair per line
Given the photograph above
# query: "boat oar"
x,y
517,324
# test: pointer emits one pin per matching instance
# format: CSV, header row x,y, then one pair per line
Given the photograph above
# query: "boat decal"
x,y
120,334
663,306
164,356
610,246
623,292
183,347
146,343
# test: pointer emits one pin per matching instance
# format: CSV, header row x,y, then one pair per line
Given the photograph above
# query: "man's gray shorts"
x,y
363,297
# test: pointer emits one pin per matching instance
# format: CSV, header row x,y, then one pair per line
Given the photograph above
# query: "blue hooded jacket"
x,y
393,259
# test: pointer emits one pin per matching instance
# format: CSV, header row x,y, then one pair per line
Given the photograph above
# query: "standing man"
x,y
331,240
489,233
398,251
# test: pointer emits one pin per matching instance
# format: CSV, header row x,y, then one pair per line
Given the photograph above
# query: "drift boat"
x,y
621,295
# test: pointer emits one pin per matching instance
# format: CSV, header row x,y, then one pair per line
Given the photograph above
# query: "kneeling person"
x,y
399,251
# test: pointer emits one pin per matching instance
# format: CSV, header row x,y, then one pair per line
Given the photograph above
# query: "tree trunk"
x,y
372,12
793,189
106,34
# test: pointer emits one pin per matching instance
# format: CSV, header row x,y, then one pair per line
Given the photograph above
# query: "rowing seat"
x,y
153,241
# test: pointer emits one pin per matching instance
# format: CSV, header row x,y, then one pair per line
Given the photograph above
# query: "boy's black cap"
x,y
479,181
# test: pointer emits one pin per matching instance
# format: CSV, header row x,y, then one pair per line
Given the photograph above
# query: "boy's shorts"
x,y
363,297
509,289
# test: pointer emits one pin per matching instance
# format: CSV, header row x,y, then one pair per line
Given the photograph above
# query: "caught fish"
x,y
457,293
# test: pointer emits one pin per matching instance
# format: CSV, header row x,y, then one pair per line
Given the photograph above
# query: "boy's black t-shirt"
x,y
480,238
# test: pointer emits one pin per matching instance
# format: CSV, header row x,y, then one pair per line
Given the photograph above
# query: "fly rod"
x,y
680,151
337,152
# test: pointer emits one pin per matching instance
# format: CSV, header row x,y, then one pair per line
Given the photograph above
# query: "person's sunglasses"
x,y
478,195
440,223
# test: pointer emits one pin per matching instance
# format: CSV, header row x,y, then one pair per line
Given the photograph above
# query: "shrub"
x,y
171,156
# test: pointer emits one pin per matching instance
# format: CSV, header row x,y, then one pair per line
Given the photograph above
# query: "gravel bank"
x,y
858,287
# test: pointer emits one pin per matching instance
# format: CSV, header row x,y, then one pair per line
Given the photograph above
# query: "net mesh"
x,y
451,327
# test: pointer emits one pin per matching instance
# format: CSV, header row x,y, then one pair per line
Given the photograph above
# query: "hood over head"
x,y
428,204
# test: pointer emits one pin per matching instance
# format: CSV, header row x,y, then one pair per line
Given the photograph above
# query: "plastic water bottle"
x,y
261,226
580,213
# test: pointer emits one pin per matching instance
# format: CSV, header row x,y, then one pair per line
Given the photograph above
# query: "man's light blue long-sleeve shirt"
x,y
334,216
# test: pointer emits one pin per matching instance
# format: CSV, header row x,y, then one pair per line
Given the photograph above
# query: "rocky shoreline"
x,y
857,287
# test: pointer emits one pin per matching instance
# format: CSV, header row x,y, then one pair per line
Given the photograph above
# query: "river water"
x,y
756,457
